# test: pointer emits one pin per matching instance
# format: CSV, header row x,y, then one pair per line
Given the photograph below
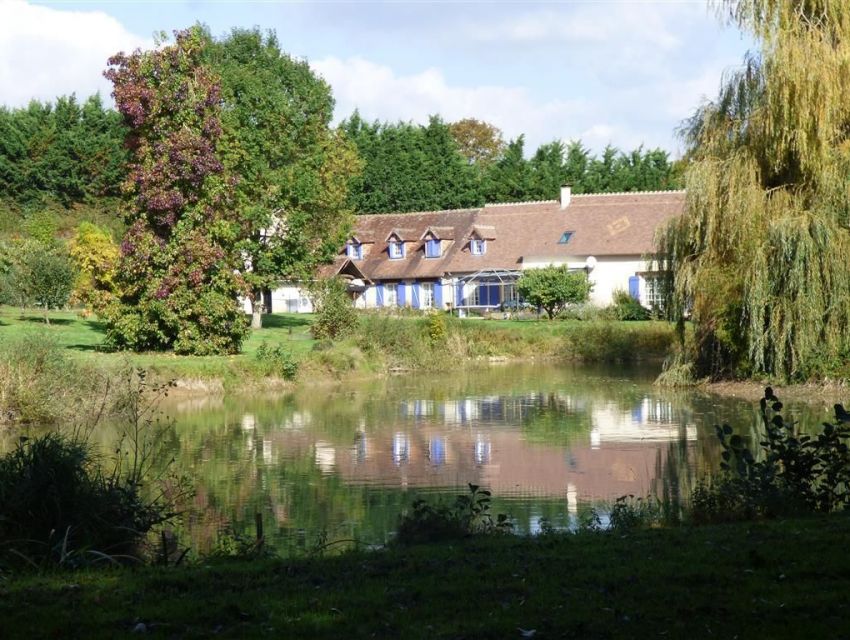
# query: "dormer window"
x,y
432,248
396,249
354,250
477,246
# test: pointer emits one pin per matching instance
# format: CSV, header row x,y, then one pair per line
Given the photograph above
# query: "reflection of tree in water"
x,y
284,455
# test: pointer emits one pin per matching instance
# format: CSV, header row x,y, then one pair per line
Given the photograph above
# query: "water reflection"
x,y
550,442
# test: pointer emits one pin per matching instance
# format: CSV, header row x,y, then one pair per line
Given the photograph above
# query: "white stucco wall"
x,y
610,274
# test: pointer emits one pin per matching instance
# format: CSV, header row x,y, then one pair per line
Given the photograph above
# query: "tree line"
x,y
72,158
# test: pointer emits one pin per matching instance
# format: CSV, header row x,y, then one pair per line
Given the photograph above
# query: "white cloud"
x,y
609,25
379,93
47,52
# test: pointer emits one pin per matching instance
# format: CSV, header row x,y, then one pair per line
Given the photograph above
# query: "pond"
x,y
342,461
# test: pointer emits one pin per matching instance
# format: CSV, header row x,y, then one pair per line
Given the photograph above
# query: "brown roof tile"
x,y
601,225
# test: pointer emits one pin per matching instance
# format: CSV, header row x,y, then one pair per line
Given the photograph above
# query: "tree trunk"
x,y
257,310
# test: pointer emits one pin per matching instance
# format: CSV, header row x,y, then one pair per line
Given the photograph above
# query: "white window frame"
x,y
426,295
653,290
396,250
391,295
355,251
478,246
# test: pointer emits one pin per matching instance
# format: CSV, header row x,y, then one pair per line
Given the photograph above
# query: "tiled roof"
x,y
601,225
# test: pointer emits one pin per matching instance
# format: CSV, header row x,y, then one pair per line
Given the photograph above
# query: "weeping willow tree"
x,y
761,256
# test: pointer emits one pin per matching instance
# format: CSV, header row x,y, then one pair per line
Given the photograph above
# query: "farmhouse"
x,y
470,259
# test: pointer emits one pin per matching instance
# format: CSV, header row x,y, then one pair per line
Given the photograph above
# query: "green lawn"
x,y
752,580
82,338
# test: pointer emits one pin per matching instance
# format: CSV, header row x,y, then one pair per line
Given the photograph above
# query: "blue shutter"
x,y
494,295
379,295
415,302
438,295
400,291
459,292
483,295
634,287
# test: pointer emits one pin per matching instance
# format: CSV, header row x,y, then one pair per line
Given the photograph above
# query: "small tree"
x,y
552,288
48,278
335,314
95,255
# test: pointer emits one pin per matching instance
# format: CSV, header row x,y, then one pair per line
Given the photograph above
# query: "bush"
x,y
39,384
335,314
276,361
469,515
613,342
552,288
62,504
625,307
790,474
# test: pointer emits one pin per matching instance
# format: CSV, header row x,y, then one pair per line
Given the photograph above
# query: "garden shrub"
x,y
625,307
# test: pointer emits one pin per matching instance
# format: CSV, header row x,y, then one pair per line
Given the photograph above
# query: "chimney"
x,y
566,192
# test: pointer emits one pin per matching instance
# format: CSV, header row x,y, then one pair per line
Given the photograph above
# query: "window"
x,y
432,248
477,246
653,291
565,238
390,295
427,301
396,249
355,250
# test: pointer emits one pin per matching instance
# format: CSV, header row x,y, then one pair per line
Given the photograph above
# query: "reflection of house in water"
x,y
607,448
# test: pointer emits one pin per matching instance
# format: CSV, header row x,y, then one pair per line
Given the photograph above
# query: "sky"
x,y
621,72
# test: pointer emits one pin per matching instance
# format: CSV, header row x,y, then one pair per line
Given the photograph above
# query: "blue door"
x,y
634,287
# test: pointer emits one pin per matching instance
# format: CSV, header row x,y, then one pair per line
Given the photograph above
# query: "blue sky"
x,y
624,72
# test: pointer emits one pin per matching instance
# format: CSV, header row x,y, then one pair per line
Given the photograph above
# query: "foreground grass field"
x,y
754,580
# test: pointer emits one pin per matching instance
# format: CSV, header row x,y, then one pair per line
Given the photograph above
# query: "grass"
x,y
403,342
773,580
82,339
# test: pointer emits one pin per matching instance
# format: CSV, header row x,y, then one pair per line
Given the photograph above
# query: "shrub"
x,y
552,288
39,384
62,504
630,513
335,314
614,342
469,515
791,473
625,307
276,361
58,504
437,328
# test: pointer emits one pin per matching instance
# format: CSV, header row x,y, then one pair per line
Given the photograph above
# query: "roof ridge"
x,y
513,204
628,193
415,213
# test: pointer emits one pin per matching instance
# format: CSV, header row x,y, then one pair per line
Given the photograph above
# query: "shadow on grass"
x,y
289,321
96,325
94,348
61,322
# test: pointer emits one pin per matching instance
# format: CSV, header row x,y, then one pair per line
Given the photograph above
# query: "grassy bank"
x,y
773,580
72,344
